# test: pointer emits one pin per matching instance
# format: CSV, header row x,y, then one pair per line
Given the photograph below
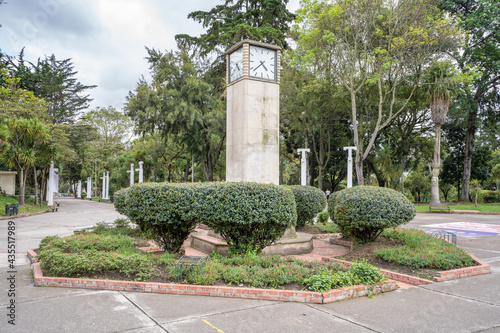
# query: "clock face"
x,y
262,63
236,65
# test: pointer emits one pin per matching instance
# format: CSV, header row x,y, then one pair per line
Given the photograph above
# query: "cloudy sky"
x,y
104,38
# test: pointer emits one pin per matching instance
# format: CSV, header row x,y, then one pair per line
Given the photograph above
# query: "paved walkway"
x,y
466,305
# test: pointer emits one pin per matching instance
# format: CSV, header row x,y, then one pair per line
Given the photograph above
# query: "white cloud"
x,y
104,38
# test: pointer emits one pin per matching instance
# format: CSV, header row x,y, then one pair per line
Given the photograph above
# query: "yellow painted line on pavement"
x,y
215,328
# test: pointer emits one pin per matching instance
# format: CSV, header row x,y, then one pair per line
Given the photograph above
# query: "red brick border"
x,y
234,292
451,274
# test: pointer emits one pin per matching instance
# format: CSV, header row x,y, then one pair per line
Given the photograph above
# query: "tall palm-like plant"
x,y
442,86
20,152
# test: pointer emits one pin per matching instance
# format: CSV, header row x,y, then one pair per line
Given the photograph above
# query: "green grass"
x,y
29,206
485,208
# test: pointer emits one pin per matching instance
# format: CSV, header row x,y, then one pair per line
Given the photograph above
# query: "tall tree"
x,y
16,102
479,19
262,20
24,138
180,102
375,47
228,23
442,86
55,81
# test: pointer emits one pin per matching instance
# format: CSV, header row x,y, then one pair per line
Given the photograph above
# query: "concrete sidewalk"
x,y
466,305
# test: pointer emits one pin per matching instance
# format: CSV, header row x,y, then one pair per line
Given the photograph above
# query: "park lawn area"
x,y
484,208
29,206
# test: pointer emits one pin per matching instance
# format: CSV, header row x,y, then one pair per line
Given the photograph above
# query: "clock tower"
x,y
252,149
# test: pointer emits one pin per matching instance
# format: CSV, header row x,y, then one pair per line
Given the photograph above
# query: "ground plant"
x,y
420,250
92,255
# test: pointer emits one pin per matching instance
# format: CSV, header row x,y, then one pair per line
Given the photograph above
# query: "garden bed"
x,y
129,266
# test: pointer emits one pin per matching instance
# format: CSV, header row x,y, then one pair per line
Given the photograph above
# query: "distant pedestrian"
x,y
327,193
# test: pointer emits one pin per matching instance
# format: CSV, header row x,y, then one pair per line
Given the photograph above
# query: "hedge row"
x,y
250,216
490,196
363,212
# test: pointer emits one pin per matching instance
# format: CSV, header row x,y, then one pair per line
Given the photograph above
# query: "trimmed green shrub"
x,y
163,210
363,212
120,200
310,201
249,216
489,196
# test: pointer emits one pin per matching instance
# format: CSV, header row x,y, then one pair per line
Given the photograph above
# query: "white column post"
x,y
79,189
89,187
140,171
303,166
131,171
107,185
349,165
50,191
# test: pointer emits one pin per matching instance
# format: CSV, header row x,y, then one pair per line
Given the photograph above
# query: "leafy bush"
x,y
310,201
249,216
363,212
490,196
163,210
323,217
121,200
358,273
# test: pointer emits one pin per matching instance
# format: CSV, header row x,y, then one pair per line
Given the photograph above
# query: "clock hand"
x,y
262,63
258,66
238,67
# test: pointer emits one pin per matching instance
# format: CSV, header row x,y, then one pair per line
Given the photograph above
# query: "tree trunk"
x,y
186,173
209,168
36,186
359,169
21,187
435,166
471,131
